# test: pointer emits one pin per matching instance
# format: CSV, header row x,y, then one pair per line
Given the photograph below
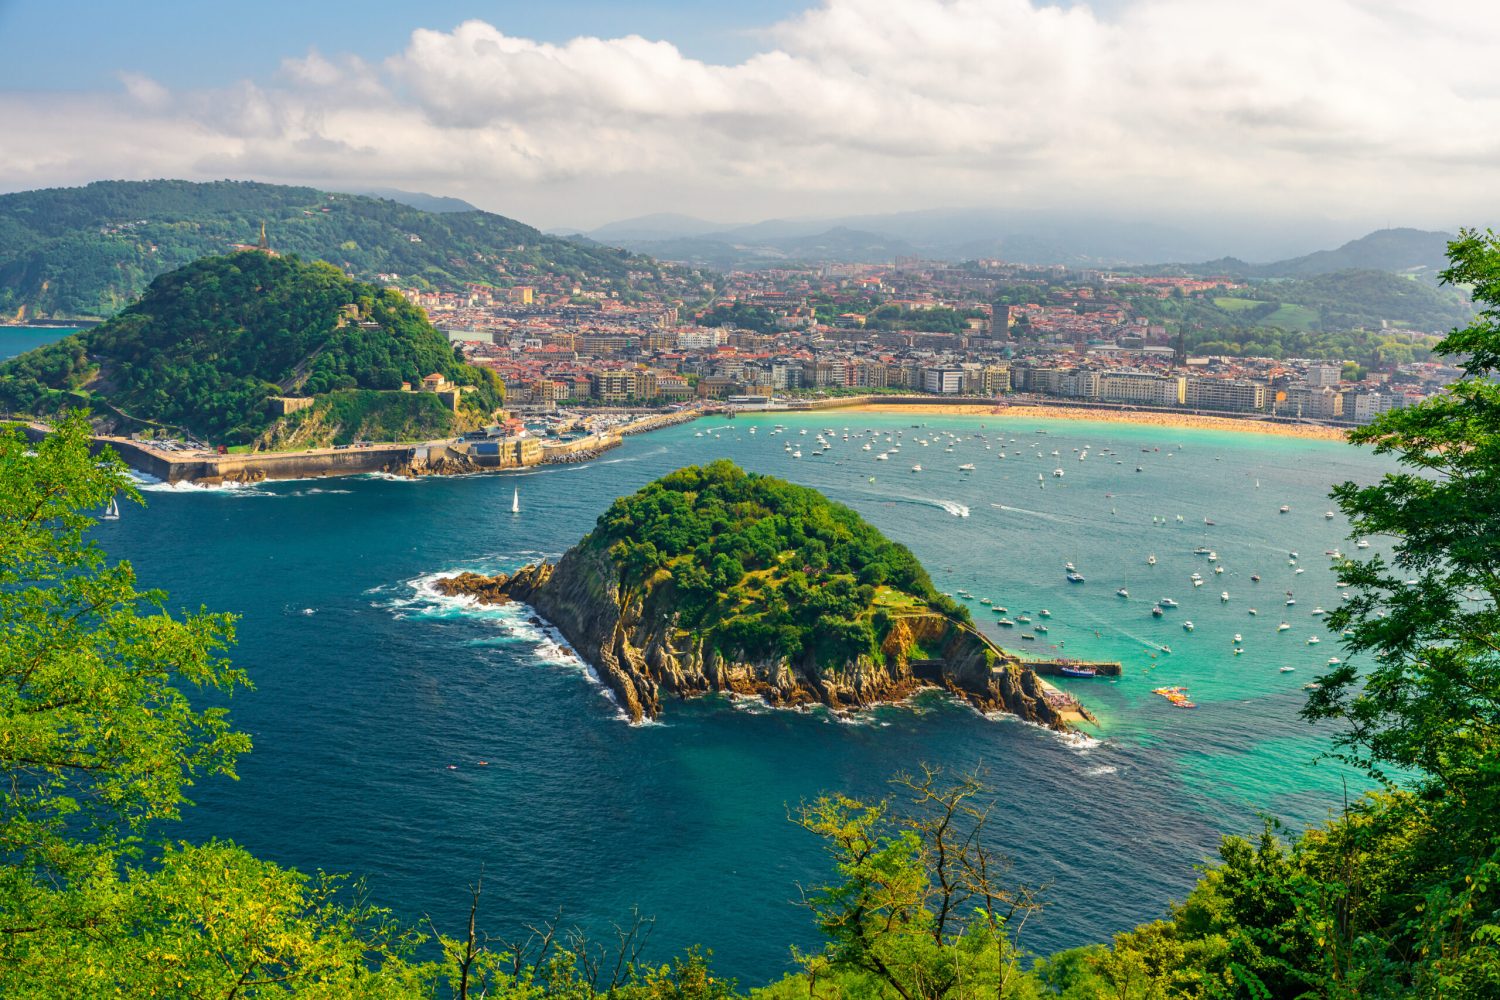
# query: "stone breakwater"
x,y
632,639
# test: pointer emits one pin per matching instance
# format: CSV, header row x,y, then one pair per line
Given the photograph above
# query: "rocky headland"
x,y
633,639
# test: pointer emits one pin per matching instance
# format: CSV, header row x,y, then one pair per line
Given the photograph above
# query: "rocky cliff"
x,y
633,639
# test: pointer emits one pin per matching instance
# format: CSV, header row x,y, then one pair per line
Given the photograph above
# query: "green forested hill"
x,y
207,345
89,251
765,567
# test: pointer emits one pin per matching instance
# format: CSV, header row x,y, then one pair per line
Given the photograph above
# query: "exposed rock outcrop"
x,y
633,640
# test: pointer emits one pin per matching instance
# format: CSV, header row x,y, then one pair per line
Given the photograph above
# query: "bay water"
x,y
419,741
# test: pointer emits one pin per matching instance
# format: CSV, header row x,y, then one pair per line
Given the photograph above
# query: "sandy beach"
x,y
1189,420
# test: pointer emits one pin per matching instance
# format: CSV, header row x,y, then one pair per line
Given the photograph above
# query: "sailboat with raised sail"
x,y
515,501
111,512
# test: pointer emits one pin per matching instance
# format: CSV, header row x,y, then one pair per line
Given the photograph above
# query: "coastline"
x,y
1099,415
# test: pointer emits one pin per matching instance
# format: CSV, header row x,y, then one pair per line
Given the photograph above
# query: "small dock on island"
x,y
1059,667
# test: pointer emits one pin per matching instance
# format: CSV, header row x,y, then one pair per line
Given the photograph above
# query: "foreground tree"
x,y
1429,620
99,742
921,909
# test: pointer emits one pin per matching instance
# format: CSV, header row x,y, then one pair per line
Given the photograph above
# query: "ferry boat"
x,y
1069,670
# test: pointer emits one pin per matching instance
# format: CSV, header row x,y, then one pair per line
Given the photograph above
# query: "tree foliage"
x,y
761,566
209,343
91,251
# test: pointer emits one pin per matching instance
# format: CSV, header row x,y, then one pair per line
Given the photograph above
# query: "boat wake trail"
x,y
951,506
1032,513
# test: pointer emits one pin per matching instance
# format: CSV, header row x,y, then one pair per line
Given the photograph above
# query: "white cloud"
x,y
1362,109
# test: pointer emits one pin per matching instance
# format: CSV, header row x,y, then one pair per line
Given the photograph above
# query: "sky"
x,y
574,113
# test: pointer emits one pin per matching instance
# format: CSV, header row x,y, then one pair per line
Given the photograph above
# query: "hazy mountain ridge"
x,y
1021,237
90,251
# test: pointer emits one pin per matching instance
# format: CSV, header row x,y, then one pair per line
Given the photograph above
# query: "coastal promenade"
x,y
443,457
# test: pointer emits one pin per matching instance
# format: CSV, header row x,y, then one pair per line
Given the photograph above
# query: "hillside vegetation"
x,y
208,344
765,568
90,251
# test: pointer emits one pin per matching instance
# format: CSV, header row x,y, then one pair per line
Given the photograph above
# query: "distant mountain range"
x,y
1416,252
90,251
1021,237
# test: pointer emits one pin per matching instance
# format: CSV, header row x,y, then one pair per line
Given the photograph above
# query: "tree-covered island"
x,y
210,347
714,579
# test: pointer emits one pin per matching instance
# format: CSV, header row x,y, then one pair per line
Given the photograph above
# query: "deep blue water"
x,y
368,687
20,339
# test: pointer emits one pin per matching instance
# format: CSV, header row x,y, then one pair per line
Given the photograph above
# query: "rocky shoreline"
x,y
638,651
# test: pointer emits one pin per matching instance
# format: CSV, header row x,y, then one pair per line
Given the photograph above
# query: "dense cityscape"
x,y
914,327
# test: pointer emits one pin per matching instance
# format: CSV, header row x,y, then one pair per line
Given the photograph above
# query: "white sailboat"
x,y
111,512
515,501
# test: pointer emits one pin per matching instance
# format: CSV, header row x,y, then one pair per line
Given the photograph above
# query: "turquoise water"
x,y
20,339
369,686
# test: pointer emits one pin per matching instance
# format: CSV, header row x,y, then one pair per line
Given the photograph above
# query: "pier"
x,y
1054,668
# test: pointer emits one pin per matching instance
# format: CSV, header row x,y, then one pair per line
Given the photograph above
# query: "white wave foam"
x,y
150,484
423,600
1101,770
